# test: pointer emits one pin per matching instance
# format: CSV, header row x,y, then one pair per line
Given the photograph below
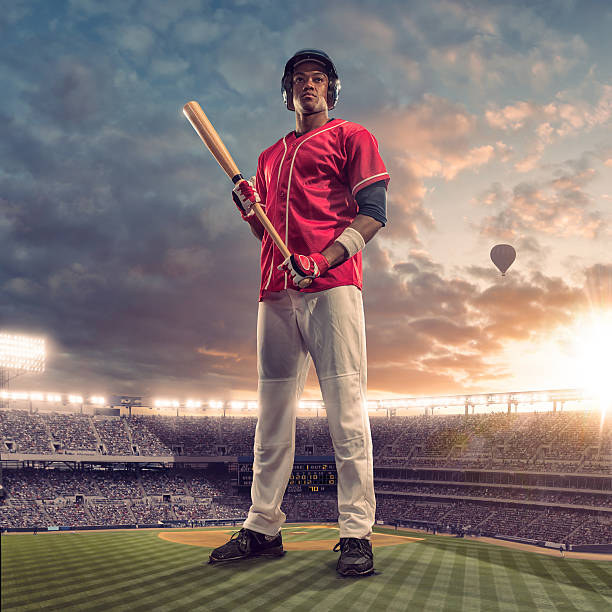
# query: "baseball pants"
x,y
328,328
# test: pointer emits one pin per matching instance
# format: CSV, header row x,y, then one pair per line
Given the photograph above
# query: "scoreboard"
x,y
314,475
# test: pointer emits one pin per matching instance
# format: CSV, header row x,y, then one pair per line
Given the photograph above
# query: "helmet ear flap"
x,y
288,92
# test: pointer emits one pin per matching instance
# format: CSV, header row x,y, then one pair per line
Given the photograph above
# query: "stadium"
x,y
490,502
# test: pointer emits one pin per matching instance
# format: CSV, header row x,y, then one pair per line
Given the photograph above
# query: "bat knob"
x,y
303,284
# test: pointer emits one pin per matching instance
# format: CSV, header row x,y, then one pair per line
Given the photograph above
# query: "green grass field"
x,y
137,570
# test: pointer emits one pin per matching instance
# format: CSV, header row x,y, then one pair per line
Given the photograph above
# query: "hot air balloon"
x,y
502,255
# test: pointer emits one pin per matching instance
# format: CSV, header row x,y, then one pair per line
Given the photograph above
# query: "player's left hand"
x,y
302,267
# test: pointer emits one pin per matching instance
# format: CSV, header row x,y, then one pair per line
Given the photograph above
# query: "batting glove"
x,y
245,195
302,267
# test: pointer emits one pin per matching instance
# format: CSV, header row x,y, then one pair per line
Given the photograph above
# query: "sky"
x,y
119,242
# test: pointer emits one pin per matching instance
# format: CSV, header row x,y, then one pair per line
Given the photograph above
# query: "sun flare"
x,y
593,353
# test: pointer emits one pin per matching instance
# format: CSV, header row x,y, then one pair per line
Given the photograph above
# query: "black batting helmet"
x,y
313,55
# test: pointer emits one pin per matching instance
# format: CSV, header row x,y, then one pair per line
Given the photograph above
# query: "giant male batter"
x,y
324,189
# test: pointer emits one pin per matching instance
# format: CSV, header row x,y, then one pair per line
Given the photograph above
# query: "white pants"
x,y
292,328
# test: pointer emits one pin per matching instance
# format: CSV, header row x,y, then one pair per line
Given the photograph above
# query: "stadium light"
x,y
19,395
97,400
193,403
166,403
54,397
75,399
23,353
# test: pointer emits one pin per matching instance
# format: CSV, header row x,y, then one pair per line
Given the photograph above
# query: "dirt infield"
x,y
212,539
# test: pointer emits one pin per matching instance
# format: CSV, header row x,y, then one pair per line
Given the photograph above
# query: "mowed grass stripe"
x,y
274,582
487,587
439,588
471,584
99,569
405,579
394,567
420,597
543,575
572,580
455,591
136,571
503,580
70,560
521,593
199,584
309,589
601,573
361,593
187,583
89,586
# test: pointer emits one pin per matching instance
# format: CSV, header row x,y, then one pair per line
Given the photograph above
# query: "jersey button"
x,y
282,194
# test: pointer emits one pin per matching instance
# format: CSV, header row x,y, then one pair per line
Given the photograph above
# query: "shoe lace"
x,y
348,544
242,539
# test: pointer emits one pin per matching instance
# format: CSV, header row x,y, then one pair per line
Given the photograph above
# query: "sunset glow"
x,y
593,349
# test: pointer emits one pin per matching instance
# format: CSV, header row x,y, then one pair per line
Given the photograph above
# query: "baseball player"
x,y
324,189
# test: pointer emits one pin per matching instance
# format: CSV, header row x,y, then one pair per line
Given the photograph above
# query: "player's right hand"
x,y
245,195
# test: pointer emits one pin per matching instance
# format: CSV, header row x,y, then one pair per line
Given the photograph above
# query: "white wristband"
x,y
351,240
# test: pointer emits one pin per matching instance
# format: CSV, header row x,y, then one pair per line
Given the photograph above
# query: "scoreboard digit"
x,y
305,477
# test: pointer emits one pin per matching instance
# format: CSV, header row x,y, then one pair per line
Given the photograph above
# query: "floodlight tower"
x,y
18,355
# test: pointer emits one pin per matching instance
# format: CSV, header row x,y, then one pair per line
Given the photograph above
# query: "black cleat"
x,y
246,543
356,558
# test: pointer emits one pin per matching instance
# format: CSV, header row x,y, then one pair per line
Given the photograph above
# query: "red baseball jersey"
x,y
308,184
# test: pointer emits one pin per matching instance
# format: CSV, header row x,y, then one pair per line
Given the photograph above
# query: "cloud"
x,y
559,206
543,124
199,31
432,138
136,38
429,331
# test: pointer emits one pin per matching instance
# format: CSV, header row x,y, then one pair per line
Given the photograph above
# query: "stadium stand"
x,y
537,476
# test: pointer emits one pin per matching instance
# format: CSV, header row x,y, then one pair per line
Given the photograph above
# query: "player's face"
x,y
309,88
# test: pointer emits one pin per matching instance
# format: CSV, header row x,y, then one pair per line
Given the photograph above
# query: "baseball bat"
x,y
206,131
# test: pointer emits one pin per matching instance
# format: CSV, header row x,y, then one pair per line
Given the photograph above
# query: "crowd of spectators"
x,y
189,436
69,514
546,525
147,513
22,514
72,433
562,443
111,513
27,484
162,482
136,499
117,484
114,436
603,499
144,438
237,434
540,441
22,432
592,531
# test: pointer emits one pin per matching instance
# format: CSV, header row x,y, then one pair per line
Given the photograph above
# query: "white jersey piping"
x,y
368,179
291,174
277,180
